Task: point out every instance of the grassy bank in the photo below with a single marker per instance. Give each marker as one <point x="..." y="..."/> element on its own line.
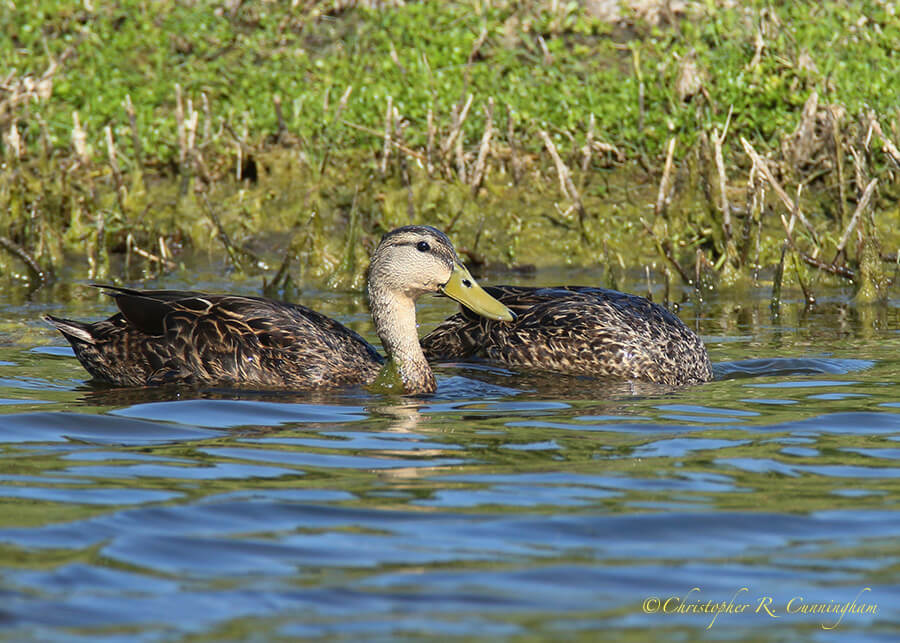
<point x="714" y="142"/>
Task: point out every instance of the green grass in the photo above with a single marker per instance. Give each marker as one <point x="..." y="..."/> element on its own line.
<point x="142" y="49"/>
<point x="544" y="69"/>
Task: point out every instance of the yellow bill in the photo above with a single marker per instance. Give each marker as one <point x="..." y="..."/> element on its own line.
<point x="466" y="291"/>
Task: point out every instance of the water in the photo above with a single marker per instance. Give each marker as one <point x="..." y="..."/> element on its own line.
<point x="506" y="506"/>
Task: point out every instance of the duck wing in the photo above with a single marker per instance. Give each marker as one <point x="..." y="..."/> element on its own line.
<point x="464" y="334"/>
<point x="577" y="330"/>
<point x="182" y="336"/>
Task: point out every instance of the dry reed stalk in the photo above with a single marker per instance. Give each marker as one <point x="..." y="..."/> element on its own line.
<point x="230" y="248"/>
<point x="760" y="200"/>
<point x="192" y="151"/>
<point x="775" y="303"/>
<point x="858" y="167"/>
<point x="476" y="46"/>
<point x="545" y="52"/>
<point x="789" y="225"/>
<point x="161" y="261"/>
<point x="114" y="165"/>
<point x="395" y="58"/>
<point x="458" y="122"/>
<point x="608" y="148"/>
<point x="460" y="161"/>
<point x="79" y="139"/>
<point x="207" y="118"/>
<point x="724" y="205"/>
<point x="860" y="208"/>
<point x="699" y="260"/>
<point x="785" y="199"/>
<point x="164" y="251"/>
<point x="812" y="260"/>
<point x="200" y="167"/>
<point x="587" y="150"/>
<point x="566" y="185"/>
<point x="33" y="266"/>
<point x="562" y="172"/>
<point x="875" y="126"/>
<point x="661" y="197"/>
<point x="834" y="115"/>
<point x="664" y="247"/>
<point x="754" y="214"/>
<point x="190" y="128"/>
<point x="808" y="296"/>
<point x="241" y="148"/>
<point x="484" y="148"/>
<point x="342" y="103"/>
<point x="400" y="146"/>
<point x="649" y="283"/>
<point x="282" y="276"/>
<point x="800" y="146"/>
<point x="759" y="45"/>
<point x="98" y="258"/>
<point x="279" y="118"/>
<point x="129" y="243"/>
<point x="13" y="139"/>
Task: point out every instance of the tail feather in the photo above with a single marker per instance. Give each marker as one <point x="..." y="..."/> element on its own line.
<point x="71" y="329"/>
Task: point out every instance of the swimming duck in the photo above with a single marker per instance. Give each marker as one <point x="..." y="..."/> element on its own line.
<point x="577" y="330"/>
<point x="162" y="336"/>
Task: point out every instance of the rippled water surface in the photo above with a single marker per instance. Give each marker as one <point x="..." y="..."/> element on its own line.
<point x="507" y="505"/>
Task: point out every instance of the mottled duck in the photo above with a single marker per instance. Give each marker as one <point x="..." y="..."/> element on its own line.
<point x="168" y="336"/>
<point x="580" y="331"/>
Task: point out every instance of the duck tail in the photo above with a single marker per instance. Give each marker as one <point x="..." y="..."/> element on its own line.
<point x="74" y="331"/>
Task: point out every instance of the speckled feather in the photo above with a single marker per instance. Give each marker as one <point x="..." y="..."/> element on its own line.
<point x="167" y="336"/>
<point x="577" y="330"/>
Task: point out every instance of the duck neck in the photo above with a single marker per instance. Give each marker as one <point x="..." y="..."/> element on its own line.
<point x="395" y="323"/>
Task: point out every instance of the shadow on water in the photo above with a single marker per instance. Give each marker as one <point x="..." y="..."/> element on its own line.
<point x="507" y="505"/>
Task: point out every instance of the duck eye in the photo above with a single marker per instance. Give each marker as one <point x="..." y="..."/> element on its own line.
<point x="423" y="246"/>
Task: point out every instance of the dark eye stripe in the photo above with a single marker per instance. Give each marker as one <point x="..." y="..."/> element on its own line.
<point x="435" y="249"/>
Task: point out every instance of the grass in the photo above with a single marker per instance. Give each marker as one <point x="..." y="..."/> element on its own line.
<point x="534" y="132"/>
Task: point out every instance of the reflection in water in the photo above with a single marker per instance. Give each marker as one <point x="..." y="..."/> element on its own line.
<point x="788" y="366"/>
<point x="506" y="505"/>
<point x="556" y="385"/>
<point x="404" y="416"/>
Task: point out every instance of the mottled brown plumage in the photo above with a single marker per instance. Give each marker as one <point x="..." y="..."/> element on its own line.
<point x="164" y="336"/>
<point x="577" y="330"/>
<point x="167" y="336"/>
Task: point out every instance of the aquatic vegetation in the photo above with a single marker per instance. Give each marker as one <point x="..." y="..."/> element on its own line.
<point x="702" y="144"/>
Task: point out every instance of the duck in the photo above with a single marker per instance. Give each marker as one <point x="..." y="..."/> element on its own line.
<point x="194" y="338"/>
<point x="576" y="330"/>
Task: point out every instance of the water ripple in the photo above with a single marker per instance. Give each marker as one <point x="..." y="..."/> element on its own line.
<point x="509" y="505"/>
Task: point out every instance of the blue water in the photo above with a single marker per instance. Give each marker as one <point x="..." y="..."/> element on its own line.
<point x="507" y="506"/>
